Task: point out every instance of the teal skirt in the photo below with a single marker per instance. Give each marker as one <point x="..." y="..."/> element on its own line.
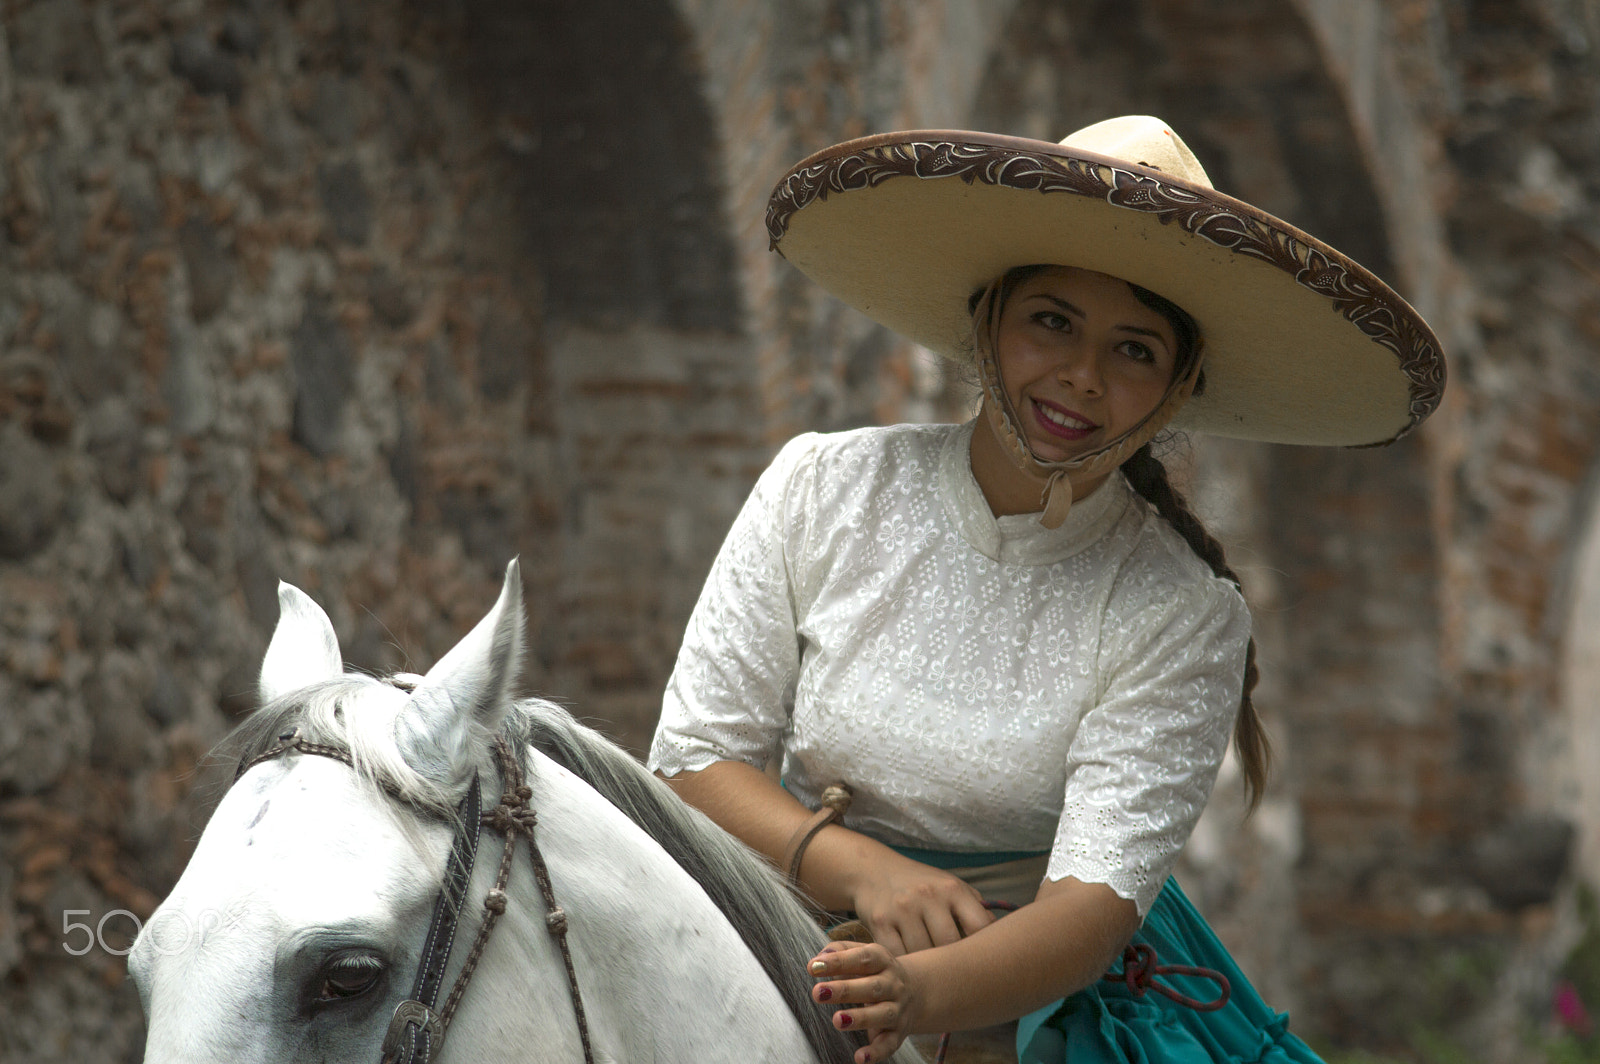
<point x="1107" y="1023"/>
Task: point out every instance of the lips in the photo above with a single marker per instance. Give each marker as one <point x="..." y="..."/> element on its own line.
<point x="1060" y="422"/>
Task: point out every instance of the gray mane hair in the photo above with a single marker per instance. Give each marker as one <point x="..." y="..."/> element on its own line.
<point x="318" y="714"/>
<point x="749" y="892"/>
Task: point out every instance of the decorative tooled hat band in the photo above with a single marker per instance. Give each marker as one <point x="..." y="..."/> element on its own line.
<point x="1303" y="345"/>
<point x="1056" y="494"/>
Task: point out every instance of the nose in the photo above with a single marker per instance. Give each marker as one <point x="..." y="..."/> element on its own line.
<point x="1081" y="369"/>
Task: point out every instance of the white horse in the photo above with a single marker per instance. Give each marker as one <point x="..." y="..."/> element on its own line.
<point x="297" y="927"/>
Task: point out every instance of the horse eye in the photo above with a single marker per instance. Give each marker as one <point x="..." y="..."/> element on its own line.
<point x="350" y="976"/>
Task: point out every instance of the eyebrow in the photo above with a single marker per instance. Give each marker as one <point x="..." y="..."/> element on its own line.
<point x="1074" y="310"/>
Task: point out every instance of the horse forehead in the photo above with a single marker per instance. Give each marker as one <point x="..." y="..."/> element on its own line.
<point x="311" y="797"/>
<point x="304" y="833"/>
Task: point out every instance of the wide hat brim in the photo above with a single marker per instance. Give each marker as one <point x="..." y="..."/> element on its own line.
<point x="1302" y="344"/>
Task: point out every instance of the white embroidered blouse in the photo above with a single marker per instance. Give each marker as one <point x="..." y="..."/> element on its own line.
<point x="981" y="684"/>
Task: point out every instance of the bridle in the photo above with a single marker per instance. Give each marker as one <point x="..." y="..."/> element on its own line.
<point x="416" y="1031"/>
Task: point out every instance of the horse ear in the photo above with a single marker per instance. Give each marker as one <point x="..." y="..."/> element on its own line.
<point x="471" y="685"/>
<point x="304" y="649"/>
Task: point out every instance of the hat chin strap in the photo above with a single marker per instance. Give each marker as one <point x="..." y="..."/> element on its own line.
<point x="1056" y="496"/>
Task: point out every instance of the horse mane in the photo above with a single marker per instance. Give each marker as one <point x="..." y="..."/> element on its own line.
<point x="748" y="891"/>
<point x="358" y="713"/>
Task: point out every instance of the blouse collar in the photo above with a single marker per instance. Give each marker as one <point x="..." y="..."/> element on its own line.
<point x="1019" y="539"/>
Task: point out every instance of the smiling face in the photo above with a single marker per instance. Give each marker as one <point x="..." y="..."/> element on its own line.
<point x="1082" y="360"/>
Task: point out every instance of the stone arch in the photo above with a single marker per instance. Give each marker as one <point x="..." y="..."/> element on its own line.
<point x="613" y="160"/>
<point x="1355" y="38"/>
<point x="790" y="77"/>
<point x="609" y="176"/>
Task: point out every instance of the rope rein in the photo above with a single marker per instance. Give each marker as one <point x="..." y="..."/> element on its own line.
<point x="512" y="817"/>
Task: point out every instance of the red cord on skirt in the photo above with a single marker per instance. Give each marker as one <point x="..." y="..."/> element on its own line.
<point x="1140" y="966"/>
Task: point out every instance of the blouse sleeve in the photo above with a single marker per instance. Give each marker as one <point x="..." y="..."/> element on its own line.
<point x="732" y="689"/>
<point x="1143" y="760"/>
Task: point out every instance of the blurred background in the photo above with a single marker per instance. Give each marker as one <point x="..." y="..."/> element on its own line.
<point x="371" y="295"/>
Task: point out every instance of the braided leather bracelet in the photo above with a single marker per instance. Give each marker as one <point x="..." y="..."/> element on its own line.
<point x="835" y="800"/>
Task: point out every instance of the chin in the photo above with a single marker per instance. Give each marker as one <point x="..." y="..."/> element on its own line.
<point x="1055" y="451"/>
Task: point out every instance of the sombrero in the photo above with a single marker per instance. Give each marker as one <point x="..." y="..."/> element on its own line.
<point x="1302" y="344"/>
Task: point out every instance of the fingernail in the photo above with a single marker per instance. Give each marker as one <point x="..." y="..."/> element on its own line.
<point x="818" y="967"/>
<point x="845" y="1020"/>
<point x="825" y="994"/>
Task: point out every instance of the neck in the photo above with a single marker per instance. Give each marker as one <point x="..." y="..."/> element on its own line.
<point x="1007" y="487"/>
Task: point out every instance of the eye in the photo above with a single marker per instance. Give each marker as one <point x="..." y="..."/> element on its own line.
<point x="348" y="976"/>
<point x="1053" y="320"/>
<point x="1137" y="351"/>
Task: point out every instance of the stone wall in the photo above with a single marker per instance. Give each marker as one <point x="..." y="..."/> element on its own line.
<point x="364" y="296"/>
<point x="371" y="295"/>
<point x="275" y="306"/>
<point x="1480" y="122"/>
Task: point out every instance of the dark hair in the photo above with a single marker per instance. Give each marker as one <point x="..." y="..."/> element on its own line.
<point x="1185" y="328"/>
<point x="1148" y="476"/>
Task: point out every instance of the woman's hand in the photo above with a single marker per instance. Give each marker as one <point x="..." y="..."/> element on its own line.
<point x="881" y="997"/>
<point x="1058" y="944"/>
<point x="910" y="906"/>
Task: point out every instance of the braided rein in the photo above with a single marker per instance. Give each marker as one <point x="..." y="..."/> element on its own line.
<point x="513" y="816"/>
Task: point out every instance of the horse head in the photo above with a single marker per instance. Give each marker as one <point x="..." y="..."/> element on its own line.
<point x="293" y="932"/>
<point x="299" y="927"/>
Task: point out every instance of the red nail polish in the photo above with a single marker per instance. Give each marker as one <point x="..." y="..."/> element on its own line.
<point x="845" y="1019"/>
<point x="825" y="994"/>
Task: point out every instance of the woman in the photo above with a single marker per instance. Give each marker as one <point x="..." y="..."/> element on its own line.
<point x="1011" y="639"/>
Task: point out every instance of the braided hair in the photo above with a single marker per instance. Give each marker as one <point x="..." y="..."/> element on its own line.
<point x="1148" y="477"/>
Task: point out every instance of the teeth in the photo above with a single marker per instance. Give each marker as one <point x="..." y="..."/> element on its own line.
<point x="1062" y="419"/>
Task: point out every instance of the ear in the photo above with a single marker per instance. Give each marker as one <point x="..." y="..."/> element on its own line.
<point x="470" y="686"/>
<point x="304" y="649"/>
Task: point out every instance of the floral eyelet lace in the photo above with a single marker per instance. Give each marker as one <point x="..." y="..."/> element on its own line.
<point x="982" y="684"/>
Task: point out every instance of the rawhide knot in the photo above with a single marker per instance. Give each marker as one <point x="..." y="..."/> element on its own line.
<point x="556" y="921"/>
<point x="495" y="901"/>
<point x="511" y="815"/>
<point x="835" y="803"/>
